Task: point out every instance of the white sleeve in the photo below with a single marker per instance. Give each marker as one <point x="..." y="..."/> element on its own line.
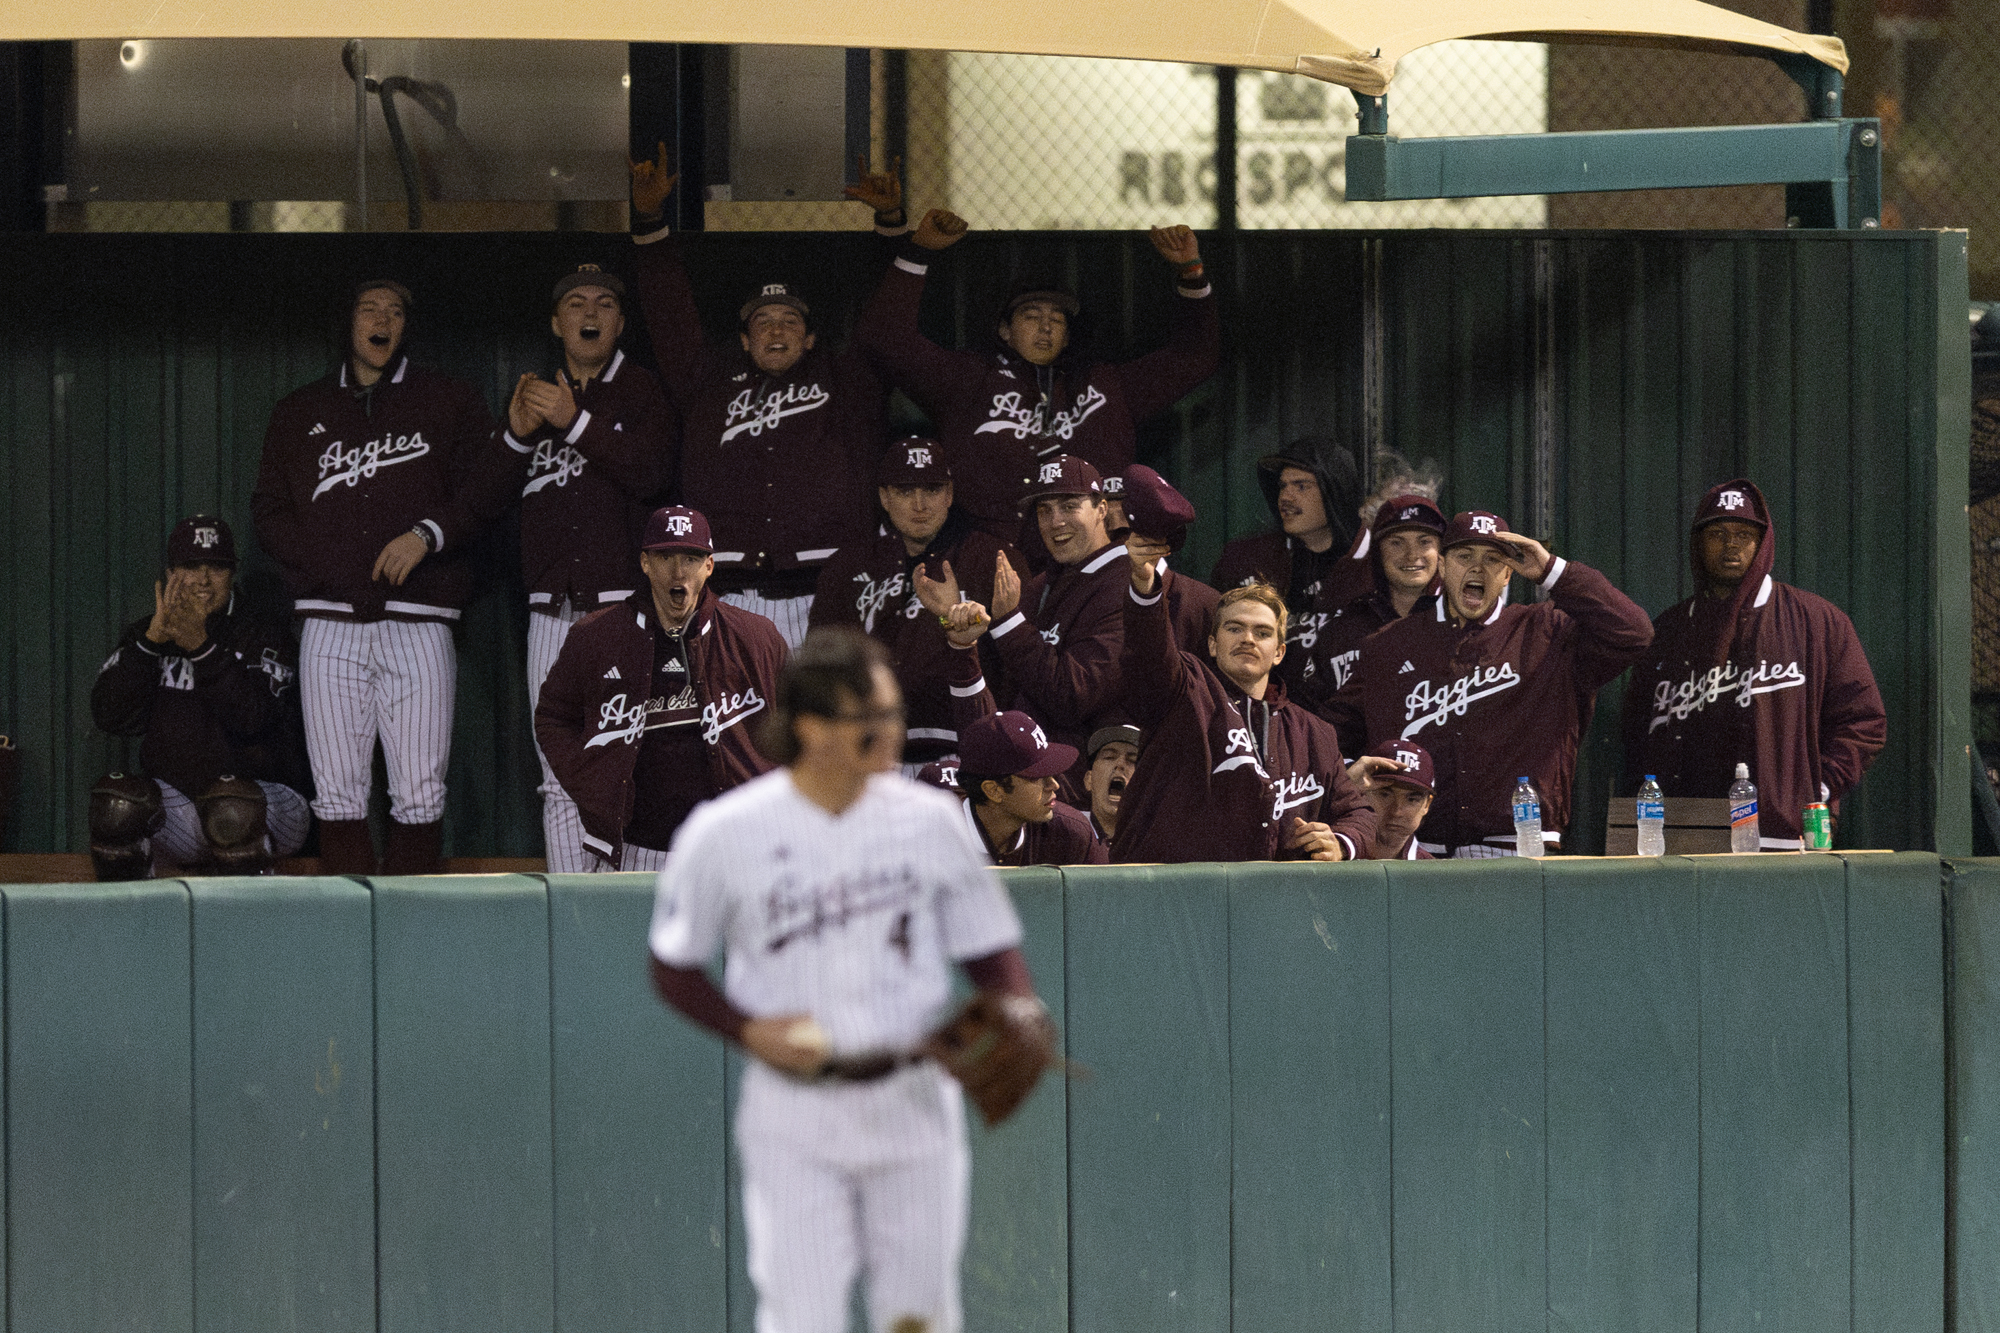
<point x="690" y="901"/>
<point x="975" y="915"/>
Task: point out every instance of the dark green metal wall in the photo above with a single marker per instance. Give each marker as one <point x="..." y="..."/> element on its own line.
<point x="1590" y="385"/>
<point x="1700" y="1094"/>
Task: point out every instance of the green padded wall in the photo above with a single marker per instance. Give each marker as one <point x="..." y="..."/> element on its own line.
<point x="1690" y="1094"/>
<point x="284" y="1105"/>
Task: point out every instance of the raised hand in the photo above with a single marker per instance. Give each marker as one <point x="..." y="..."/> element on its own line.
<point x="1363" y="770"/>
<point x="1176" y="244"/>
<point x="651" y="184"/>
<point x="1145" y="554"/>
<point x="880" y="190"/>
<point x="940" y="228"/>
<point x="1006" y="588"/>
<point x="936" y="596"/>
<point x="522" y="418"/>
<point x="1528" y="557"/>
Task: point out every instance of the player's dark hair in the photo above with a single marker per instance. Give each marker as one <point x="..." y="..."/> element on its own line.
<point x="833" y="661"/>
<point x="973" y="785"/>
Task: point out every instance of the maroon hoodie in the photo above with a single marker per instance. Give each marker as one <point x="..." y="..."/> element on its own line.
<point x="779" y="464"/>
<point x="1222" y="774"/>
<point x="1772" y="676"/>
<point x="592" y="715"/>
<point x="999" y="415"/>
<point x="1506" y="695"/>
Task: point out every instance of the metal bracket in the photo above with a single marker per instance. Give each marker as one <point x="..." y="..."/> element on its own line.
<point x="1831" y="166"/>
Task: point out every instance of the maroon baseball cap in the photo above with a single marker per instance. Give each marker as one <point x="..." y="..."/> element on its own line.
<point x="1154" y="508"/>
<point x="774" y="293"/>
<point x="914" y="460"/>
<point x="587" y="275"/>
<point x="1736" y="499"/>
<point x="201" y="539"/>
<point x="1065" y="474"/>
<point x="941" y="773"/>
<point x="1417" y="770"/>
<point x="677" y="528"/>
<point x="1408" y="511"/>
<point x="1474" y="525"/>
<point x="1114" y="487"/>
<point x="1010" y="744"/>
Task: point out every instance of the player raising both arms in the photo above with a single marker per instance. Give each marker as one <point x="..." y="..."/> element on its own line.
<point x="840" y="893"/>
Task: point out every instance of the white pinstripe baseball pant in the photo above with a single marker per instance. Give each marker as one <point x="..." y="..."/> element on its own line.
<point x="395" y="679"/>
<point x="562" y="827"/>
<point x="789" y="614"/>
<point x="840" y="1180"/>
<point x="180" y="839"/>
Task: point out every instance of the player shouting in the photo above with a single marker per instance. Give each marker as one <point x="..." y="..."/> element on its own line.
<point x="841" y="893"/>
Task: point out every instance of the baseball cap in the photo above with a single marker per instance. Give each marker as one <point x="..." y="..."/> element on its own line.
<point x="1737" y="500"/>
<point x="774" y="293"/>
<point x="1418" y="771"/>
<point x="1065" y="474"/>
<point x="1473" y="525"/>
<point x="941" y="773"/>
<point x="677" y="528"/>
<point x="1103" y="736"/>
<point x="1154" y="508"/>
<point x="1114" y="487"/>
<point x="1408" y="511"/>
<point x="1055" y="296"/>
<point x="913" y="461"/>
<point x="1010" y="744"/>
<point x="587" y="275"/>
<point x="201" y="539"/>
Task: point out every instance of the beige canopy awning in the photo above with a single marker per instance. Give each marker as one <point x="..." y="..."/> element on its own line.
<point x="1352" y="42"/>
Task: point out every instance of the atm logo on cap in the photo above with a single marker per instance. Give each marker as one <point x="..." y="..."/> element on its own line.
<point x="207" y="537"/>
<point x="1041" y="740"/>
<point x="919" y="457"/>
<point x="1408" y="758"/>
<point x="1483" y="523"/>
<point x="775" y="289"/>
<point x="1732" y="500"/>
<point x="1410" y="512"/>
<point x="680" y="525"/>
<point x="1051" y="472"/>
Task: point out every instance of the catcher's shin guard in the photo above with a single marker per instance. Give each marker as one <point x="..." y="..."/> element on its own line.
<point x="125" y="813"/>
<point x="232" y="821"/>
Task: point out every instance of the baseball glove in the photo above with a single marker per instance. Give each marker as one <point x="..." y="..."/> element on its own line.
<point x="997" y="1046"/>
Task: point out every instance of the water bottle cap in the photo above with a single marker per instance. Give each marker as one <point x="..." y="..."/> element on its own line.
<point x="1522" y="778"/>
<point x="1651" y="778"/>
<point x="1743" y="771"/>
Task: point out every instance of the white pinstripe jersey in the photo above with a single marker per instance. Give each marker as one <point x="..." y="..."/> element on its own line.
<point x="852" y="918"/>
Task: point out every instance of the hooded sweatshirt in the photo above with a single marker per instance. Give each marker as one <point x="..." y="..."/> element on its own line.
<point x="1771" y="675"/>
<point x="1222" y="774"/>
<point x="1494" y="698"/>
<point x="999" y="415"/>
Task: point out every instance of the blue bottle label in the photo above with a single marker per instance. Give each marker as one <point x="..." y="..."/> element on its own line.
<point x="1653" y="810"/>
<point x="1526" y="810"/>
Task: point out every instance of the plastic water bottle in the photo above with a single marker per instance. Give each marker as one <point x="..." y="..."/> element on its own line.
<point x="1527" y="818"/>
<point x="1652" y="818"/>
<point x="1743" y="836"/>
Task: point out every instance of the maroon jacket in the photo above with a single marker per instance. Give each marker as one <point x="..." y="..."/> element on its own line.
<point x="232" y="706"/>
<point x="869" y="586"/>
<point x="592" y="714"/>
<point x="1190" y="609"/>
<point x="779" y="465"/>
<point x="586" y="490"/>
<point x="1060" y="649"/>
<point x="344" y="473"/>
<point x="1314" y="586"/>
<point x="990" y="409"/>
<point x="1069" y="839"/>
<point x="1772" y="676"/>
<point x="1509" y="695"/>
<point x="1221" y="774"/>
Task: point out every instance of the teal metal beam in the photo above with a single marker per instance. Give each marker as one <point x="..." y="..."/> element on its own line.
<point x="1842" y="156"/>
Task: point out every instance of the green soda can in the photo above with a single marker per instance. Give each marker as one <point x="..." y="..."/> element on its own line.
<point x="1818" y="828"/>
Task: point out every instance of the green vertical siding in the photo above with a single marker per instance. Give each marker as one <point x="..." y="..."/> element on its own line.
<point x="1827" y="368"/>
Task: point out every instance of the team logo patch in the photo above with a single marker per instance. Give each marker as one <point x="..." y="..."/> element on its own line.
<point x="1732" y="500"/>
<point x="1407" y="758"/>
<point x="207" y="537"/>
<point x="680" y="525"/>
<point x="1483" y="523"/>
<point x="1041" y="741"/>
<point x="176" y="673"/>
<point x="1051" y="472"/>
<point x="919" y="456"/>
<point x="1432" y="705"/>
<point x="1409" y="512"/>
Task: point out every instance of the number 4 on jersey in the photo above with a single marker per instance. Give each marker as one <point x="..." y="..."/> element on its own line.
<point x="899" y="936"/>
